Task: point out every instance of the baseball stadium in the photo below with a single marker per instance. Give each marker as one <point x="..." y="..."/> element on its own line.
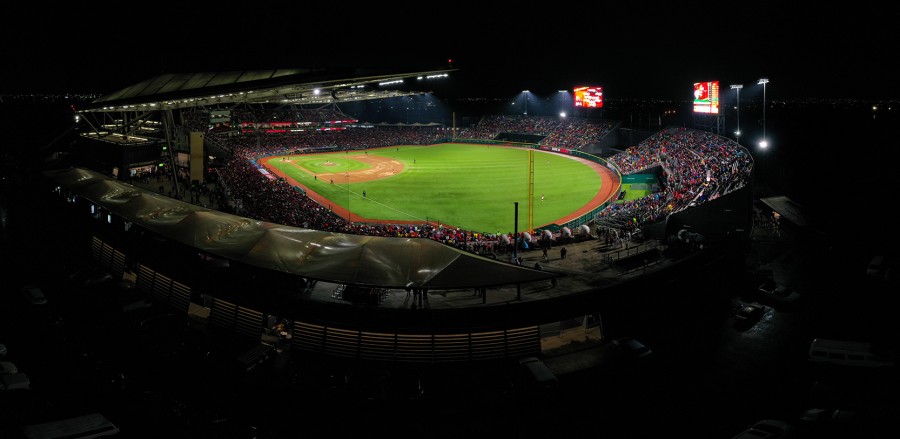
<point x="267" y="207"/>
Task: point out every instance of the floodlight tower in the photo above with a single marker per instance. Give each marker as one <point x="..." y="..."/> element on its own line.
<point x="737" y="133"/>
<point x="562" y="103"/>
<point x="526" y="101"/>
<point x="763" y="143"/>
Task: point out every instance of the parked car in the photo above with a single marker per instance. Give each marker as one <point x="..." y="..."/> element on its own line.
<point x="749" y="313"/>
<point x="829" y="423"/>
<point x="766" y="429"/>
<point x="632" y="348"/>
<point x="34" y="295"/>
<point x="92" y="425"/>
<point x="15" y="381"/>
<point x="90" y="276"/>
<point x="8" y="368"/>
<point x="536" y="378"/>
<point x="876" y="267"/>
<point x="772" y="292"/>
<point x="829" y="416"/>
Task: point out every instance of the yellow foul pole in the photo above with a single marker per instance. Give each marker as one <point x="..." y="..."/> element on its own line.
<point x="453" y="128"/>
<point x="531" y="191"/>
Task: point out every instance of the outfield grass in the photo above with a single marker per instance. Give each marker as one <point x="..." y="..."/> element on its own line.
<point x="473" y="187"/>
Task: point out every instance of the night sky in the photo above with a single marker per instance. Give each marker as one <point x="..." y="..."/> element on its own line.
<point x="822" y="51"/>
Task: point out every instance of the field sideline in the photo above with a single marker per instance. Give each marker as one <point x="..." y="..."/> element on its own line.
<point x="472" y="187"/>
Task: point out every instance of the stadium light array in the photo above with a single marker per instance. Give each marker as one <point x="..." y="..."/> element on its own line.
<point x="763" y="143"/>
<point x="737" y="133"/>
<point x="396" y="81"/>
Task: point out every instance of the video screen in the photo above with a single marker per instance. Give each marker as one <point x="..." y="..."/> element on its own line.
<point x="706" y="97"/>
<point x="589" y="97"/>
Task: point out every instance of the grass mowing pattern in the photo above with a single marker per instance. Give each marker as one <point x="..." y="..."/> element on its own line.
<point x="472" y="187"/>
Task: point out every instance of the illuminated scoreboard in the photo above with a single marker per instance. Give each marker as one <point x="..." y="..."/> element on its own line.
<point x="706" y="97"/>
<point x="589" y="97"/>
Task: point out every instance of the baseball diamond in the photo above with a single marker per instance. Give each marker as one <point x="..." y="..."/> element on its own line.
<point x="464" y="185"/>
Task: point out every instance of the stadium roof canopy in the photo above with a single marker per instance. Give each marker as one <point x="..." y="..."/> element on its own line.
<point x="332" y="257"/>
<point x="283" y="86"/>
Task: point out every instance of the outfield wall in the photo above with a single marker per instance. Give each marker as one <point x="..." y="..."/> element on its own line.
<point x="583" y="219"/>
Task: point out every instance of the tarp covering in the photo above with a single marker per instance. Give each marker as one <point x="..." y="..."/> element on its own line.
<point x="333" y="257"/>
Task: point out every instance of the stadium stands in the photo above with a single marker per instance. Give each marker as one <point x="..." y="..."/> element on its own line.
<point x="696" y="166"/>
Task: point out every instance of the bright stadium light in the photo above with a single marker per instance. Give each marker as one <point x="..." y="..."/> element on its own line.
<point x="563" y="98"/>
<point x="316" y="91"/>
<point x="526" y="101"/>
<point x="737" y="133"/>
<point x="763" y="143"/>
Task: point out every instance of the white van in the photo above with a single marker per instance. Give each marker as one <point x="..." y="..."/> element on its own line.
<point x="537" y="377"/>
<point x="92" y="425"/>
<point x="847" y="353"/>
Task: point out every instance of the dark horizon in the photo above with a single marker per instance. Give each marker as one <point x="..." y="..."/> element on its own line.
<point x="651" y="53"/>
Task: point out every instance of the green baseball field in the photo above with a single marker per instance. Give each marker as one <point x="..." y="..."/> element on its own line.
<point x="473" y="187"/>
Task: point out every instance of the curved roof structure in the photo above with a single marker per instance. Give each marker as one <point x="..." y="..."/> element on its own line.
<point x="190" y="83"/>
<point x="282" y="86"/>
<point x="333" y="257"/>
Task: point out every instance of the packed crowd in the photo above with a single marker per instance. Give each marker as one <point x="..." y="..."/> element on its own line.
<point x="352" y="138"/>
<point x="696" y="165"/>
<point x="275" y="200"/>
<point x="249" y="118"/>
<point x="570" y="133"/>
<point x="293" y="118"/>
